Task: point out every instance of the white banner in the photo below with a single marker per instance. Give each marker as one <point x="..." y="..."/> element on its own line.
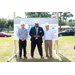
<point x="29" y="22"/>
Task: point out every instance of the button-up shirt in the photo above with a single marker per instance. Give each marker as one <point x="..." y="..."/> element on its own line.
<point x="22" y="33"/>
<point x="36" y="28"/>
<point x="48" y="35"/>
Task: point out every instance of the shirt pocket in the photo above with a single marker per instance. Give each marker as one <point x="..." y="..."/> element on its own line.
<point x="40" y="32"/>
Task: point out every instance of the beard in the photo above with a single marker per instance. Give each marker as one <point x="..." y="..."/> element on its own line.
<point x="36" y="25"/>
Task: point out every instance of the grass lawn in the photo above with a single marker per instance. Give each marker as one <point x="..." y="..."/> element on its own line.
<point x="10" y="32"/>
<point x="66" y="48"/>
<point x="6" y="48"/>
<point x="66" y="51"/>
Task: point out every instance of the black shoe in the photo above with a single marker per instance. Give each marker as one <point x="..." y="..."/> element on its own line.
<point x="20" y="58"/>
<point x="32" y="57"/>
<point x="42" y="57"/>
<point x="25" y="57"/>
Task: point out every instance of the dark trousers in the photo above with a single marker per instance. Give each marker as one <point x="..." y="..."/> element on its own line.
<point x="22" y="44"/>
<point x="33" y="45"/>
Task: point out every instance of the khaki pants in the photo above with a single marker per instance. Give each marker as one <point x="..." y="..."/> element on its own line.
<point x="48" y="44"/>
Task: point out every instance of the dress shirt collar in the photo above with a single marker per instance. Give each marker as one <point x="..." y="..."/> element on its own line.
<point x="47" y="30"/>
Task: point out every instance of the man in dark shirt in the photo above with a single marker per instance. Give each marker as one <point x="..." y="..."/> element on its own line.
<point x="36" y="34"/>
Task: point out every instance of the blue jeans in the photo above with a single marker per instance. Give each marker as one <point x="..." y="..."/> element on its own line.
<point x="22" y="44"/>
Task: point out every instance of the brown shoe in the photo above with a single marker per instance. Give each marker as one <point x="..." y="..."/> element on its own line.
<point x="50" y="56"/>
<point x="46" y="55"/>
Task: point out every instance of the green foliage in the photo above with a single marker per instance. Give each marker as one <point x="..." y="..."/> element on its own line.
<point x="2" y="23"/>
<point x="67" y="15"/>
<point x="64" y="16"/>
<point x="9" y="23"/>
<point x="62" y="22"/>
<point x="37" y="14"/>
<point x="6" y="24"/>
<point x="71" y="22"/>
<point x="67" y="23"/>
<point x="18" y="17"/>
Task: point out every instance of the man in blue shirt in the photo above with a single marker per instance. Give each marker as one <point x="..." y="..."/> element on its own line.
<point x="22" y="34"/>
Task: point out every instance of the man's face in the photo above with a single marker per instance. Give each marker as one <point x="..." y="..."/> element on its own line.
<point x="47" y="27"/>
<point x="23" y="25"/>
<point x="36" y="24"/>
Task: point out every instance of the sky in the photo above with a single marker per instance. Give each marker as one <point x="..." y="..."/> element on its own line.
<point x="10" y="15"/>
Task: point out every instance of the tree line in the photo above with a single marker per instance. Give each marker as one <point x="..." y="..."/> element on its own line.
<point x="4" y="23"/>
<point x="63" y="16"/>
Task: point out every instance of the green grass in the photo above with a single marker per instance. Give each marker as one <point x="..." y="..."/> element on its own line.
<point x="6" y="48"/>
<point x="66" y="48"/>
<point x="65" y="44"/>
<point x="10" y="32"/>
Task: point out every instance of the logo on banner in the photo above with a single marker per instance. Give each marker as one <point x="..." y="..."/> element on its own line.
<point x="53" y="28"/>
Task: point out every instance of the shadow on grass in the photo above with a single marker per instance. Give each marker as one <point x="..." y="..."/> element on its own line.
<point x="37" y="60"/>
<point x="64" y="59"/>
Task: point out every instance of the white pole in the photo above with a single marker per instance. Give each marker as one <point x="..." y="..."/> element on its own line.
<point x="14" y="50"/>
<point x="56" y="51"/>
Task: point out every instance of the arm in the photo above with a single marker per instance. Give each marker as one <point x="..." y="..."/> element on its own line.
<point x="30" y="33"/>
<point x="26" y="34"/>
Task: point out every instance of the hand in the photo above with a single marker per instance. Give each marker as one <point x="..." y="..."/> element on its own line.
<point x="38" y="36"/>
<point x="23" y="39"/>
<point x="35" y="36"/>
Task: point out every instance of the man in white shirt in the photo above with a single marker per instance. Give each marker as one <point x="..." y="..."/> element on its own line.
<point x="48" y="36"/>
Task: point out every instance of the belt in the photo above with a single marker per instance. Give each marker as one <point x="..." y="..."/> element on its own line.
<point x="20" y="39"/>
